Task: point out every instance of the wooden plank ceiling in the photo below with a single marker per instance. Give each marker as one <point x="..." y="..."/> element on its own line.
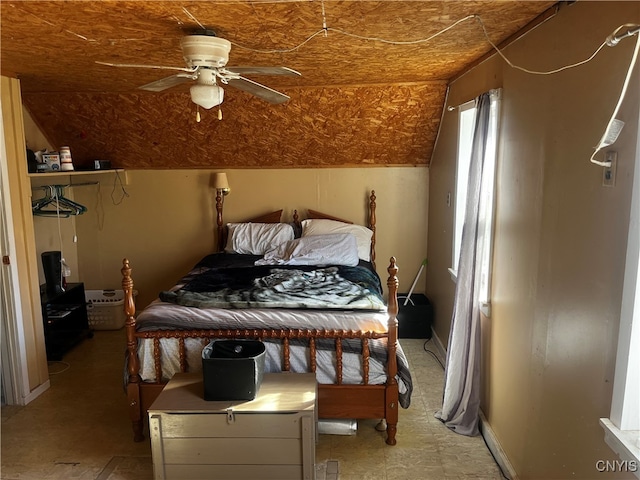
<point x="358" y="102"/>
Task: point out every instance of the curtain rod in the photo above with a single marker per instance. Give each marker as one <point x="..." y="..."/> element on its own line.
<point x="492" y="91"/>
<point x="451" y="108"/>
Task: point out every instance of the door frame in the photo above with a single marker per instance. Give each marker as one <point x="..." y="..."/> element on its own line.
<point x="13" y="366"/>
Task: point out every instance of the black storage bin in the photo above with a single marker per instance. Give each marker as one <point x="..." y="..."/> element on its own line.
<point x="414" y="318"/>
<point x="232" y="369"/>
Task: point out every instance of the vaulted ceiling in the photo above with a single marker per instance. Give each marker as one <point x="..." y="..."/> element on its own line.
<point x="371" y="89"/>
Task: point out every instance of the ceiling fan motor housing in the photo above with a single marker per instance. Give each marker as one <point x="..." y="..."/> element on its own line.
<point x="205" y="51"/>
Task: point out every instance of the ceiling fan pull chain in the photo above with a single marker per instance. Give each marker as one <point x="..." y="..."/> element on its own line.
<point x="198" y="113"/>
<point x="219" y="113"/>
<point x="324" y="20"/>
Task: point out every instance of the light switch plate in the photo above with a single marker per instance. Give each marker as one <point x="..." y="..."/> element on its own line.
<point x="609" y="173"/>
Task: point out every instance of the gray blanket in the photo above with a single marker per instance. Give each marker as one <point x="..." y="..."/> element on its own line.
<point x="336" y="287"/>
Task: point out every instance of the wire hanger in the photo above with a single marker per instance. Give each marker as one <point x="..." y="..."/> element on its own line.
<point x="55" y="204"/>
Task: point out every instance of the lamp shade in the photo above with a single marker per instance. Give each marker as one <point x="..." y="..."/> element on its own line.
<point x="207" y="96"/>
<point x="220" y="181"/>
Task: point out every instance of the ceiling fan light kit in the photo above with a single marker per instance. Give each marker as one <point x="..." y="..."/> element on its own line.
<point x="207" y="96"/>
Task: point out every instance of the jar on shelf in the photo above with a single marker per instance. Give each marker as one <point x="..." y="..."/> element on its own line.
<point x="66" y="163"/>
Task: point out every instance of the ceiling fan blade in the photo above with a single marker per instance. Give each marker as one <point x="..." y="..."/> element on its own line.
<point x="167" y="82"/>
<point x="159" y="67"/>
<point x="264" y="71"/>
<point x="260" y="91"/>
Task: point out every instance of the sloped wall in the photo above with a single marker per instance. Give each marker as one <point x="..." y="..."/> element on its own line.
<point x="318" y="127"/>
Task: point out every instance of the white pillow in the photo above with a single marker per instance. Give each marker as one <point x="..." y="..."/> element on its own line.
<point x="256" y="238"/>
<point x="322" y="227"/>
<point x="331" y="249"/>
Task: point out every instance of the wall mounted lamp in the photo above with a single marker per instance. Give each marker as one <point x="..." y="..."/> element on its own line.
<point x="221" y="183"/>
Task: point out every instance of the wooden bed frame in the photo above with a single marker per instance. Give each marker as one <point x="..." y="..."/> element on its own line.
<point x="335" y="401"/>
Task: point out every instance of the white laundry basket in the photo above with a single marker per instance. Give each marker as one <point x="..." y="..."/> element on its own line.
<point x="105" y="308"/>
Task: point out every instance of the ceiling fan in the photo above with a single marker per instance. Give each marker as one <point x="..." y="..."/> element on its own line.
<point x="206" y="56"/>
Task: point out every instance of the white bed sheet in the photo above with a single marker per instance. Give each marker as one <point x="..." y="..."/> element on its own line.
<point x="164" y="315"/>
<point x="352" y="371"/>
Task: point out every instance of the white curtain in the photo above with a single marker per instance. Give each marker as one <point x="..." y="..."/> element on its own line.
<point x="461" y="399"/>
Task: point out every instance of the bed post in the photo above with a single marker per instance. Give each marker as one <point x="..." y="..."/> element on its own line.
<point x="133" y="363"/>
<point x="372" y="225"/>
<point x="391" y="405"/>
<point x="219" y="204"/>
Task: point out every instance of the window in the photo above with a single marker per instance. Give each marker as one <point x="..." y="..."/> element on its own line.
<point x="466" y="123"/>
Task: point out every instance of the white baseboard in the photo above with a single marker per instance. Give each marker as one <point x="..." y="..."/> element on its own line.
<point x="485" y="429"/>
<point x="36" y="392"/>
<point x="496" y="449"/>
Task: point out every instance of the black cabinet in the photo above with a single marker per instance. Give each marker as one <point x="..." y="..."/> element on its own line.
<point x="65" y="319"/>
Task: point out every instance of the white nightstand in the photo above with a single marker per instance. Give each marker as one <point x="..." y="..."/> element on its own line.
<point x="271" y="437"/>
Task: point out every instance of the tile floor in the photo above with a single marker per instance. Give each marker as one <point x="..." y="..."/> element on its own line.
<point x="79" y="429"/>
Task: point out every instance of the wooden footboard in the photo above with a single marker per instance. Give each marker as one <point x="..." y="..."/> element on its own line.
<point x="334" y="401"/>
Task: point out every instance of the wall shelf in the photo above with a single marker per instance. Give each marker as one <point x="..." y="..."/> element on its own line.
<point x="124" y="180"/>
<point x="75" y="172"/>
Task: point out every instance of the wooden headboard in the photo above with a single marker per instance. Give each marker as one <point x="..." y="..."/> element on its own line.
<point x="319" y="215"/>
<point x="276" y="217"/>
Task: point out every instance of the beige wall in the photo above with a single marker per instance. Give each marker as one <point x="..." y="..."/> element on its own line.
<point x="560" y="238"/>
<point x="167" y="222"/>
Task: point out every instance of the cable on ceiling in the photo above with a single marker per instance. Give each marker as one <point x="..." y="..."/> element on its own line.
<point x="612" y="40"/>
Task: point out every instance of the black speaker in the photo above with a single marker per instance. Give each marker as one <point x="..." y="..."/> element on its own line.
<point x="52" y="266"/>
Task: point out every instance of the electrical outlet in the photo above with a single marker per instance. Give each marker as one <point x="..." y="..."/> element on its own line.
<point x="609" y="173"/>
